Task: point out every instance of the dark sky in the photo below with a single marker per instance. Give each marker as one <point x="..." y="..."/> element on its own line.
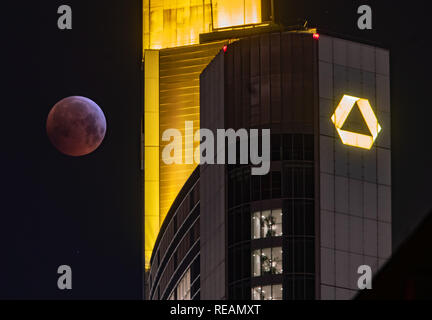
<point x="86" y="212"/>
<point x="83" y="212"/>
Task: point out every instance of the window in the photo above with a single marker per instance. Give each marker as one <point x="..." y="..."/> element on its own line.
<point x="276" y="184"/>
<point x="277" y="215"/>
<point x="298" y="181"/>
<point x="309" y="147"/>
<point x="184" y="287"/>
<point x="256" y="225"/>
<point x="300" y="287"/>
<point x="256" y="191"/>
<point x="239" y="225"/>
<point x="246" y="185"/>
<point x="309" y="182"/>
<point x="297" y="147"/>
<point x="273" y="292"/>
<point x="287" y="147"/>
<point x="275" y="147"/>
<point x="267" y="224"/>
<point x="256" y="263"/>
<point x="239" y="186"/>
<point x="267" y="261"/>
<point x="277" y="292"/>
<point x="299" y="218"/>
<point x="265" y="187"/>
<point x="228" y="13"/>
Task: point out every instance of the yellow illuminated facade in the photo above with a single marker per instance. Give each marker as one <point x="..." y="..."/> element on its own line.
<point x="179" y="95"/>
<point x="151" y="151"/>
<point x="351" y="138"/>
<point x="229" y="13"/>
<point x="173" y="62"/>
<point x="174" y="23"/>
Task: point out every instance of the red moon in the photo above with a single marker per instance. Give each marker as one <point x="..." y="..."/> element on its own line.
<point x="76" y="126"/>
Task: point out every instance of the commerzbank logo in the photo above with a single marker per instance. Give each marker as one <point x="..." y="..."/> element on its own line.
<point x="352" y="138"/>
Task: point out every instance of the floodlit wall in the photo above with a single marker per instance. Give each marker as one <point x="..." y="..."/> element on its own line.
<point x="173" y="61"/>
<point x="228" y="13"/>
<point x="180" y="69"/>
<point x="151" y="151"/>
<point x="355" y="178"/>
<point x="173" y="23"/>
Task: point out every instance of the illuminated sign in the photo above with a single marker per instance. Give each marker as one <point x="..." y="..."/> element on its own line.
<point x="351" y="138"/>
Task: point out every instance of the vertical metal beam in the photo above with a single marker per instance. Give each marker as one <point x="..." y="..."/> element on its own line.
<point x="151" y="151"/>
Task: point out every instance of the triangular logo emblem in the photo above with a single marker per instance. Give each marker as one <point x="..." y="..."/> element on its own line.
<point x="351" y="138"/>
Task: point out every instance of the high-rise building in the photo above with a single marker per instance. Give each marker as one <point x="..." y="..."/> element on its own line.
<point x="180" y="37"/>
<point x="324" y="209"/>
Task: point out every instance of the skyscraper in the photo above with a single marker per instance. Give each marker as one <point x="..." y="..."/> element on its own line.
<point x="302" y="231"/>
<point x="323" y="210"/>
<point x="179" y="39"/>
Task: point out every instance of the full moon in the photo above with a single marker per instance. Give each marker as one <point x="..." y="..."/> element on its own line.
<point x="76" y="126"/>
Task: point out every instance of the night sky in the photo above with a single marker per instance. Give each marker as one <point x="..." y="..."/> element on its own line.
<point x="86" y="212"/>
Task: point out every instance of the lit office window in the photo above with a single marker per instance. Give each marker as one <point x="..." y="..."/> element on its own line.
<point x="256" y="225"/>
<point x="172" y="23"/>
<point x="227" y="13"/>
<point x="184" y="287"/>
<point x="267" y="224"/>
<point x="256" y="263"/>
<point x="273" y="292"/>
<point x="267" y="261"/>
<point x="277" y="292"/>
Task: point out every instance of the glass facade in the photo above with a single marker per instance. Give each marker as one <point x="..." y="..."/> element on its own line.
<point x="184" y="287"/>
<point x="267" y="224"/>
<point x="179" y="98"/>
<point x="267" y="261"/>
<point x="299" y="245"/>
<point x="229" y="13"/>
<point x="174" y="23"/>
<point x="342" y="194"/>
<point x="172" y="96"/>
<point x="173" y="60"/>
<point x="175" y="264"/>
<point x="269" y="82"/>
<point x="278" y="239"/>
